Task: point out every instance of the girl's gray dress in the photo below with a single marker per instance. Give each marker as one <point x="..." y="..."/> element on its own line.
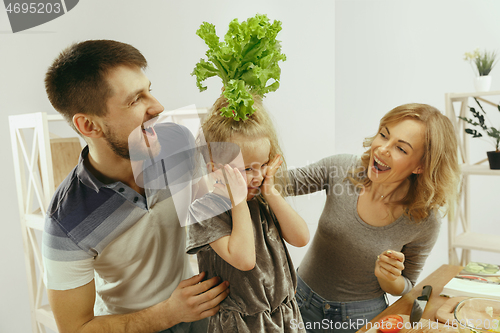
<point x="262" y="299"/>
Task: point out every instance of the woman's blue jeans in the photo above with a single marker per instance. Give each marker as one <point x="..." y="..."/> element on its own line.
<point x="322" y="316"/>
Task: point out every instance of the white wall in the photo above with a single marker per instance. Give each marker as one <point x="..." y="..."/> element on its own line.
<point x="164" y="31"/>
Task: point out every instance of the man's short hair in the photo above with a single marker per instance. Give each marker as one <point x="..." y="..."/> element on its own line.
<point x="76" y="81"/>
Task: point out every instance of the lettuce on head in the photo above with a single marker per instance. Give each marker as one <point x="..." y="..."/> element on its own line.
<point x="246" y="61"/>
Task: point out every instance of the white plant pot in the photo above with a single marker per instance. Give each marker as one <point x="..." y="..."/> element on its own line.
<point x="482" y="83"/>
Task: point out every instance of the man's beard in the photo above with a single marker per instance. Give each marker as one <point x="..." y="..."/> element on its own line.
<point x="124" y="148"/>
<point x="120" y="148"/>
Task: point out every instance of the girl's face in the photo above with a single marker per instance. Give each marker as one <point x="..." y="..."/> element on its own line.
<point x="255" y="157"/>
<point x="396" y="152"/>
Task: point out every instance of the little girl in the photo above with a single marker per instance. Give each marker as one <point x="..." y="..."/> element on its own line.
<point x="237" y="230"/>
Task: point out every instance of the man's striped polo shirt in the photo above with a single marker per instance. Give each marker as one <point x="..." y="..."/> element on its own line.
<point x="132" y="246"/>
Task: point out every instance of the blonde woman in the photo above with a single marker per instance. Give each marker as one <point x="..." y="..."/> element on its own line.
<point x="380" y="219"/>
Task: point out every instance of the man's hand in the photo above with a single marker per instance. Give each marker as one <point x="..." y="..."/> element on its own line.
<point x="193" y="300"/>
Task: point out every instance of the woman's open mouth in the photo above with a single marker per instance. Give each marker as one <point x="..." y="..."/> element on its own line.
<point x="379" y="166"/>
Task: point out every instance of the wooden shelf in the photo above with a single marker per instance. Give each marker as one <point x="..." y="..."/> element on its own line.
<point x="468" y="240"/>
<point x="473" y="94"/>
<point x="35" y="221"/>
<point x="183" y="112"/>
<point x="479" y="170"/>
<point x="477" y="241"/>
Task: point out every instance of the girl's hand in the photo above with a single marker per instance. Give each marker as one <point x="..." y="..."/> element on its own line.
<point x="231" y="184"/>
<point x="268" y="183"/>
<point x="389" y="265"/>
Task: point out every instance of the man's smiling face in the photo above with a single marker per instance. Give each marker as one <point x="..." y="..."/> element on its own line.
<point x="131" y="109"/>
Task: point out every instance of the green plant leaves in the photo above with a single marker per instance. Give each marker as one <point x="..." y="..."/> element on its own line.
<point x="474" y="133"/>
<point x="485" y="62"/>
<point x="490" y="131"/>
<point x="247" y="62"/>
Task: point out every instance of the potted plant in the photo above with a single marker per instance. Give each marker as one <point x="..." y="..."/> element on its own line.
<point x="482" y="63"/>
<point x="492" y="132"/>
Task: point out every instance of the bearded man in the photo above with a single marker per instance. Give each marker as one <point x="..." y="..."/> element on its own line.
<point x="113" y="247"/>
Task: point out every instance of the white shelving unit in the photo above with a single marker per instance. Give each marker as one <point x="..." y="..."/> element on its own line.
<point x="463" y="240"/>
<point x="35" y="181"/>
<point x="41" y="161"/>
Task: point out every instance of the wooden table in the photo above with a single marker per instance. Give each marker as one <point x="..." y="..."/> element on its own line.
<point x="437" y="280"/>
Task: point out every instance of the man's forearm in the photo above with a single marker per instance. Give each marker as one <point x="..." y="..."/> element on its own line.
<point x="150" y="320"/>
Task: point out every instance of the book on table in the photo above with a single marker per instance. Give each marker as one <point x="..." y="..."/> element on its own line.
<point x="475" y="280"/>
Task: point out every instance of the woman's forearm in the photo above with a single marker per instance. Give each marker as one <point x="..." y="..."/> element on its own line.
<point x="395" y="287"/>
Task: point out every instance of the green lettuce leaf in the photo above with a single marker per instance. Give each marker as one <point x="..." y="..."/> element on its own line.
<point x="247" y="62"/>
<point x="239" y="99"/>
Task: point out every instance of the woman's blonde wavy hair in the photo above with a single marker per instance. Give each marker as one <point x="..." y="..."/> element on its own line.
<point x="438" y="185"/>
<point x="218" y="128"/>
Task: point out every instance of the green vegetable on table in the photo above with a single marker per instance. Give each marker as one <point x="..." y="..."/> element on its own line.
<point x="246" y="61"/>
<point x="477" y="267"/>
